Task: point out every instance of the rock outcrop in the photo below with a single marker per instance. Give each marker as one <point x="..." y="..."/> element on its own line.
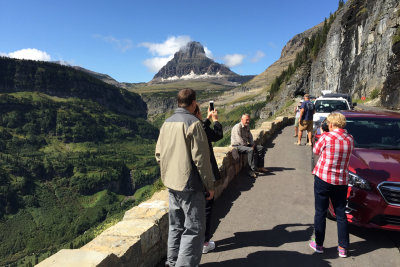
<point x="360" y="56"/>
<point x="358" y="50"/>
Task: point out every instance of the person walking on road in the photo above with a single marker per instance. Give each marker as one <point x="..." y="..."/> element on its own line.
<point x="184" y="157"/>
<point x="213" y="135"/>
<point x="242" y="139"/>
<point x="331" y="181"/>
<point x="307" y="111"/>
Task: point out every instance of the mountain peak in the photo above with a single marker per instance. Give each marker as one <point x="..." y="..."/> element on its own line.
<point x="191" y="62"/>
<point x="192" y="50"/>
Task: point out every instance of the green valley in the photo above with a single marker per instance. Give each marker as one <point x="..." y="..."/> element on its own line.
<point x="71" y="160"/>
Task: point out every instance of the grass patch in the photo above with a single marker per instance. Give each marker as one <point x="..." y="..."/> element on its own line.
<point x="178" y="85"/>
<point x="284" y="110"/>
<point x="91" y="201"/>
<point x="374" y="93"/>
<point x="243" y="99"/>
<point x="159" y="119"/>
<point x="147" y="191"/>
<point x="225" y="141"/>
<point x="396" y="36"/>
<point x="362" y="11"/>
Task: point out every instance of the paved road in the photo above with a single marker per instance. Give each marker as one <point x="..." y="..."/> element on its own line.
<point x="268" y="221"/>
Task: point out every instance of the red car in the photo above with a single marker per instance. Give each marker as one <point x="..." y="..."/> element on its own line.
<point x="373" y="197"/>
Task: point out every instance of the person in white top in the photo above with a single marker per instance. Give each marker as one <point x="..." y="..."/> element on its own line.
<point x="297" y="116"/>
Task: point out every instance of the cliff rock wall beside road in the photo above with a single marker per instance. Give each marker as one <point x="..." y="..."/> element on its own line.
<point x="358" y="50"/>
<point x="361" y="55"/>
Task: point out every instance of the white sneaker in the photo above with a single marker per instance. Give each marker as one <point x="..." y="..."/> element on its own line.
<point x="210" y="246"/>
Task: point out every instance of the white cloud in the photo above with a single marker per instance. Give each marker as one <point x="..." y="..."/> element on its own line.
<point x="29" y="53"/>
<point x="156" y="63"/>
<point x="164" y="51"/>
<point x="121" y="45"/>
<point x="209" y="54"/>
<point x="65" y="63"/>
<point x="233" y="60"/>
<point x="259" y="55"/>
<point x="169" y="47"/>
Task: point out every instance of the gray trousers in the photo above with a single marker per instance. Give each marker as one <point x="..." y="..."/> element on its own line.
<point x="255" y="156"/>
<point x="186" y="228"/>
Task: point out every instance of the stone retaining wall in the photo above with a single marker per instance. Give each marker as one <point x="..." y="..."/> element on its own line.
<point x="140" y="239"/>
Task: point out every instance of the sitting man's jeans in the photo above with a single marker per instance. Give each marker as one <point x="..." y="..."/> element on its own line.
<point x="324" y="191"/>
<point x="255" y="156"/>
<point x="186" y="228"/>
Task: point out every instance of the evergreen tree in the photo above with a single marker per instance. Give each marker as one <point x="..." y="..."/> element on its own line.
<point x="341" y="3"/>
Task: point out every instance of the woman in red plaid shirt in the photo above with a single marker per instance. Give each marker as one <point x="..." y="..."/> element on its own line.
<point x="331" y="181"/>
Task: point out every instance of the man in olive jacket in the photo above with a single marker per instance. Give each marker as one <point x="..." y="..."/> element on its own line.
<point x="183" y="153"/>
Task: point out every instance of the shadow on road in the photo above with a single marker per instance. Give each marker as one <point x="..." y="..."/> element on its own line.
<point x="278" y="169"/>
<point x="373" y="239"/>
<point x="274" y="237"/>
<point x="273" y="258"/>
<point x="240" y="184"/>
<point x="224" y="203"/>
<point x="270" y="142"/>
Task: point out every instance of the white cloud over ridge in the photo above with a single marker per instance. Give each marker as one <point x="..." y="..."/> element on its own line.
<point x="121" y="45"/>
<point x="29" y="53"/>
<point x="233" y="60"/>
<point x="259" y="55"/>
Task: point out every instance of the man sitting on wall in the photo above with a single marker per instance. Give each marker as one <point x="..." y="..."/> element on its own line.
<point x="242" y="139"/>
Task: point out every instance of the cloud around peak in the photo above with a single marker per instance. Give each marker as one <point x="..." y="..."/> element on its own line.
<point x="168" y="47"/>
<point x="156" y="63"/>
<point x="164" y="52"/>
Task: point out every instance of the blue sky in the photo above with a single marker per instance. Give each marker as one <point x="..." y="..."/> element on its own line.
<point x="131" y="40"/>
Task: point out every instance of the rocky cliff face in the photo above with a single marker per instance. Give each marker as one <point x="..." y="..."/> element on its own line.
<point x="358" y="55"/>
<point x="390" y="95"/>
<point x="191" y="62"/>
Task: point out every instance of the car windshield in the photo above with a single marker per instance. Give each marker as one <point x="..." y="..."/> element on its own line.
<point x="375" y="133"/>
<point x="327" y="106"/>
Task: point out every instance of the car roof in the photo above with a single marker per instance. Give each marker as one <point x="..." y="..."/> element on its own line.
<point x="336" y="94"/>
<point x="332" y="98"/>
<point x="370" y="114"/>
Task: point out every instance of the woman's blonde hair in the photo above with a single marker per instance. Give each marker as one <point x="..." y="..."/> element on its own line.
<point x="337" y="119"/>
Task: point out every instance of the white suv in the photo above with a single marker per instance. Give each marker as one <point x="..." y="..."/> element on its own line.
<point x="326" y="105"/>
